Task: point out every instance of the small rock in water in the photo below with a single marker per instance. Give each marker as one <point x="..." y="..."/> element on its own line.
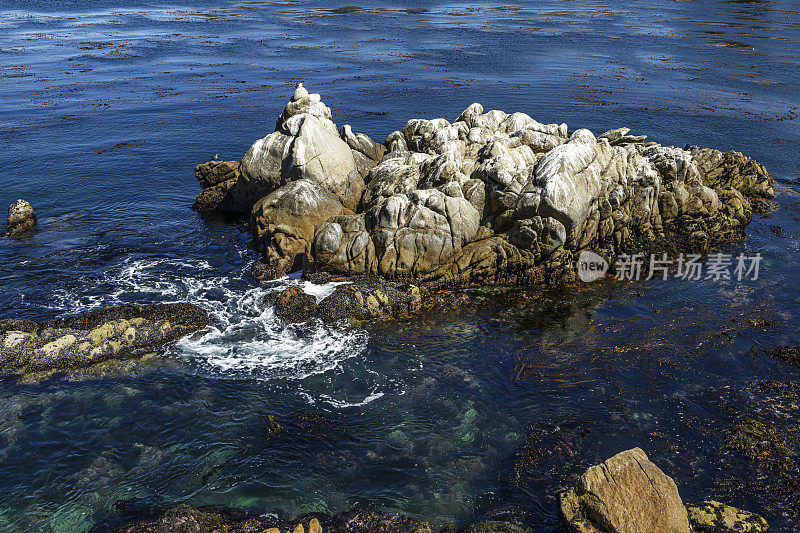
<point x="22" y="220"/>
<point x="716" y="517"/>
<point x="294" y="305"/>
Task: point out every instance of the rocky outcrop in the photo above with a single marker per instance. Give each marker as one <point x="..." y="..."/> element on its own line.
<point x="217" y="179"/>
<point x="491" y="197"/>
<point x="305" y="145"/>
<point x="21" y="220"/>
<point x="111" y="332"/>
<point x="629" y="494"/>
<point x="511" y="192"/>
<point x="716" y="517"/>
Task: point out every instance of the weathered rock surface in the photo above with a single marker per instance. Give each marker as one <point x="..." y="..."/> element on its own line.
<point x="21" y="220"/>
<point x="283" y="224"/>
<point x="79" y="341"/>
<point x="625" y="494"/>
<point x="491" y="197"/>
<point x="305" y="145"/>
<point x="716" y="517"/>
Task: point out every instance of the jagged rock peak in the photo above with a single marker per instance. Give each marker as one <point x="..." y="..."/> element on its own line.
<point x="303" y="102"/>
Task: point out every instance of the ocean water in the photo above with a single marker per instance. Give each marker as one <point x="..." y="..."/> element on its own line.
<point x="105" y="108"/>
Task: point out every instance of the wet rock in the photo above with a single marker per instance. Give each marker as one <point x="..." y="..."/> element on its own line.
<point x="626" y="493"/>
<point x="21" y="220"/>
<point x="84" y="340"/>
<point x="180" y="519"/>
<point x="371" y="522"/>
<point x="761" y="441"/>
<point x="716" y="517"/>
<point x="370" y="298"/>
<point x="140" y="516"/>
<point x="294" y="305"/>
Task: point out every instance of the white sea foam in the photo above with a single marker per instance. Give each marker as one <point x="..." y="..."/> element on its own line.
<point x="245" y="338"/>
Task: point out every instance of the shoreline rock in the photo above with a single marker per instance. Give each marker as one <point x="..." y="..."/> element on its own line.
<point x="490" y="198"/>
<point x="22" y="220"/>
<point x="84" y="340"/>
<point x="626" y="493"/>
<point x="629" y="494"/>
<point x="715" y="517"/>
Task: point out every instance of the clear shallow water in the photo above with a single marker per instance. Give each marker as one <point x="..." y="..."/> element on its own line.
<point x="106" y="107"/>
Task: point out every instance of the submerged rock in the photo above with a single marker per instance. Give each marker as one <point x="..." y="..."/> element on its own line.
<point x="140" y="517"/>
<point x="498" y="526"/>
<point x="626" y="494"/>
<point x="761" y="441"/>
<point x="21" y="220"/>
<point x="491" y="197"/>
<point x="83" y="340"/>
<point x="787" y="354"/>
<point x="715" y="517"/>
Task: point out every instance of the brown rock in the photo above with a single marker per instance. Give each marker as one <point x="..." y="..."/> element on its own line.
<point x="216" y="172"/>
<point x="625" y="494"/>
<point x="22" y="220"/>
<point x="283" y="224"/>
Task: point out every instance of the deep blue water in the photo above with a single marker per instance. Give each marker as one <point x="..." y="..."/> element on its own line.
<point x="105" y="108"/>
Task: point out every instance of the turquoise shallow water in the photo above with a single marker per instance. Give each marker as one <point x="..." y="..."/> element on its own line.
<point x="106" y="107"/>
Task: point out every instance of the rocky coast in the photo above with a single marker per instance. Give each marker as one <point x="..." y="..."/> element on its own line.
<point x="489" y="199"/>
